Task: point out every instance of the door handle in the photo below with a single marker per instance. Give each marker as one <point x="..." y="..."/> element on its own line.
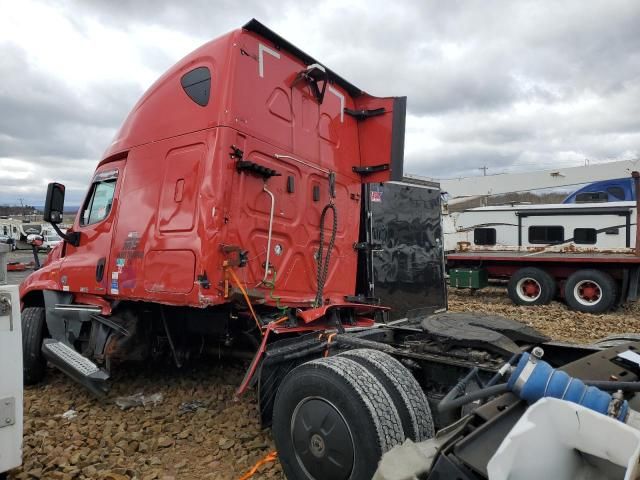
<point x="100" y="269"/>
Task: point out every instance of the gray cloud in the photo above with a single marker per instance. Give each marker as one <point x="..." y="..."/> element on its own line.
<point x="511" y="85"/>
<point x="201" y="18"/>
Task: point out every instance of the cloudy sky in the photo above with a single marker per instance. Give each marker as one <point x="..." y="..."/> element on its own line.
<point x="508" y="85"/>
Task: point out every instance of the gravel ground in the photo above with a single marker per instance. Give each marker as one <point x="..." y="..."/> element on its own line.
<point x="554" y="320"/>
<point x="222" y="438"/>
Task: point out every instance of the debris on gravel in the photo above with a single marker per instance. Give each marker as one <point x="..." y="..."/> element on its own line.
<point x="138" y="399"/>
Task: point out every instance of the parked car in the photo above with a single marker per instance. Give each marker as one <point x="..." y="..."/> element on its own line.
<point x="51" y="239"/>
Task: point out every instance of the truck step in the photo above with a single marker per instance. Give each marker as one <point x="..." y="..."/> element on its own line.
<point x="76" y="366"/>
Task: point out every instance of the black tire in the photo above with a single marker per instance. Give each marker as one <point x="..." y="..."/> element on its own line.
<point x="616" y="340"/>
<point x="333" y="420"/>
<point x="521" y="283"/>
<point x="404" y="389"/>
<point x="33" y="332"/>
<point x="590" y="291"/>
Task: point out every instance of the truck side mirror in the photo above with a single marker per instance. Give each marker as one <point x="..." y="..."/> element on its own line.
<point x="54" y="203"/>
<point x="53" y="210"/>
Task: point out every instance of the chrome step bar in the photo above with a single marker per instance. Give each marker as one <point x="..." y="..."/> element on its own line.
<point x="76" y="366"/>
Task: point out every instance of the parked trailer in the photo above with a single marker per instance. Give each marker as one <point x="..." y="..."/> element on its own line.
<point x="588" y="227"/>
<point x="587" y="282"/>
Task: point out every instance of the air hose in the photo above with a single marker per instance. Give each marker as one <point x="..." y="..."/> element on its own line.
<point x="323" y="263"/>
<point x="447" y="404"/>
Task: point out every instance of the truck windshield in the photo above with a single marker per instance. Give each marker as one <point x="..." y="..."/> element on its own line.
<point x="98" y="204"/>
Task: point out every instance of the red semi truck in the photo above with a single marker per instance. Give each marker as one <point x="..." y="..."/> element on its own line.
<point x="236" y="200"/>
<point x="228" y="203"/>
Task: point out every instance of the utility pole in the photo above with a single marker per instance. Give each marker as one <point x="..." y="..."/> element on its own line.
<point x="484" y="170"/>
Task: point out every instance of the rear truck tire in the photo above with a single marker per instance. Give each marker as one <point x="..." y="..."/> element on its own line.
<point x="531" y="286"/>
<point x="590" y="291"/>
<point x="404" y="389"/>
<point x="33" y="332"/>
<point x="333" y="420"/>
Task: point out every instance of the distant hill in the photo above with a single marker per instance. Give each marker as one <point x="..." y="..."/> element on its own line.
<point x="68" y="209"/>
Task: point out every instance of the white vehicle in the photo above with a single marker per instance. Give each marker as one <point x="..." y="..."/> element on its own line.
<point x="51" y="239"/>
<point x="10" y="379"/>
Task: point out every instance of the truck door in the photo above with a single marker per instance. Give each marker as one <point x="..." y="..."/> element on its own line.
<point x="85" y="267"/>
<point x="10" y="379"/>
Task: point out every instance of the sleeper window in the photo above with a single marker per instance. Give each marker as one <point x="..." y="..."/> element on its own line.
<point x="197" y="85"/>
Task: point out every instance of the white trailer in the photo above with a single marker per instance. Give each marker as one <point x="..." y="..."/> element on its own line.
<point x="572" y="227"/>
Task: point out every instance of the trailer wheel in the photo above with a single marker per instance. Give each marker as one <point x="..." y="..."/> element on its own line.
<point x="33" y="332"/>
<point x="590" y="291"/>
<point x="405" y="391"/>
<point x="531" y="286"/>
<point x="332" y="420"/>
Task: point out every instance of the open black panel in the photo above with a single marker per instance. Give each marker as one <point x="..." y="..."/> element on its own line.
<point x="401" y="254"/>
